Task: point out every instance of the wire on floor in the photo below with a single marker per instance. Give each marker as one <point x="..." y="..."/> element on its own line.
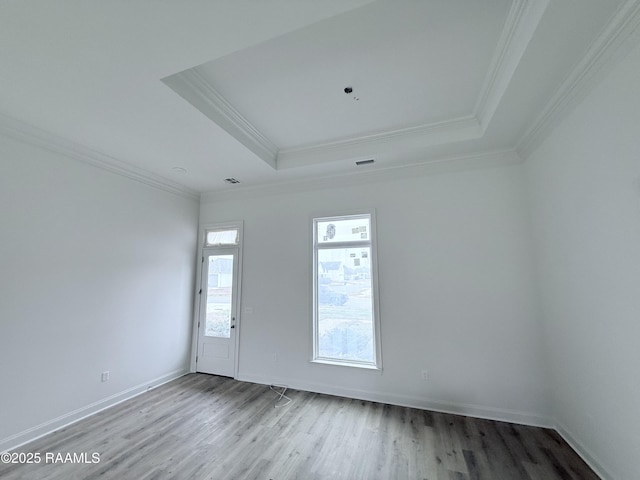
<point x="281" y="395"/>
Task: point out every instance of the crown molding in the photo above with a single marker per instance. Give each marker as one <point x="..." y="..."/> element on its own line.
<point x="520" y="25"/>
<point x="193" y="87"/>
<point x="522" y="20"/>
<point x="448" y="164"/>
<point x="31" y="135"/>
<point x="617" y="38"/>
<point x="421" y="136"/>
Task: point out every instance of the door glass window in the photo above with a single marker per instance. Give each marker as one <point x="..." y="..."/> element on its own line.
<point x="219" y="296"/>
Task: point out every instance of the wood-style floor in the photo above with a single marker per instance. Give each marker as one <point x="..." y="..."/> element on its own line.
<point x="208" y="427"/>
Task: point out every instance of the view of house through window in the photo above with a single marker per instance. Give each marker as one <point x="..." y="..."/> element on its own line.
<point x="345" y="329"/>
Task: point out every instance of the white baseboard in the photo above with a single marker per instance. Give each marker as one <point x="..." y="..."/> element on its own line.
<point x="31" y="434"/>
<point x="596" y="465"/>
<point x="489" y="413"/>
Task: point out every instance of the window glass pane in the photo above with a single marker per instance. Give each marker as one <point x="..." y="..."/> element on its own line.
<point x="222" y="237"/>
<point x="344" y="305"/>
<point x="349" y="229"/>
<point x="219" y="296"/>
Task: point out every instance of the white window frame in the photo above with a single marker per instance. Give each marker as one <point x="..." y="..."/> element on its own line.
<point x="371" y="243"/>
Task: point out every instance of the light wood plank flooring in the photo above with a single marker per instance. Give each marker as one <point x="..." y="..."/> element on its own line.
<point x="208" y="427"/>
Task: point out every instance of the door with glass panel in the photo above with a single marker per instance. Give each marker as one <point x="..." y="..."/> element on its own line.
<point x="218" y="304"/>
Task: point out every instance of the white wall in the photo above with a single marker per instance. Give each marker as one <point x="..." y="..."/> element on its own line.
<point x="456" y="293"/>
<point x="96" y="273"/>
<point x="585" y="194"/>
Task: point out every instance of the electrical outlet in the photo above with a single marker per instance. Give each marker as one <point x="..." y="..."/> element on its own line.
<point x="274" y="357"/>
<point x="425" y="375"/>
<point x="105" y="376"/>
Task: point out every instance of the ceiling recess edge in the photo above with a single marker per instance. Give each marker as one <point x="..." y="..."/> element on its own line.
<point x="521" y="22"/>
<point x="618" y="37"/>
<point x="25" y="133"/>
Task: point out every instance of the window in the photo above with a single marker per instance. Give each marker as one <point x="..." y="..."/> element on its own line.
<point x="345" y="320"/>
<point x="216" y="238"/>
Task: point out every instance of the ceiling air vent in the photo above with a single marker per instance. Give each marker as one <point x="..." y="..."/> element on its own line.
<point x="231" y="181"/>
<point x="365" y="162"/>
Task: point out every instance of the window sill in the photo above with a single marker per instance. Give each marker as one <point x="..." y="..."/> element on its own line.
<point x="337" y="363"/>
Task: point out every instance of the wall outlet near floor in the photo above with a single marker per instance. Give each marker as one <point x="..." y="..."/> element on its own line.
<point x="274" y="357"/>
<point x="424" y="375"/>
<point x="105" y="376"/>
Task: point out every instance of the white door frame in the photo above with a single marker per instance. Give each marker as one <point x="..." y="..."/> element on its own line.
<point x="198" y="290"/>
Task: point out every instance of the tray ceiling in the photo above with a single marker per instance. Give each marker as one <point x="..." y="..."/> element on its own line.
<point x="422" y="67"/>
<point x="186" y="94"/>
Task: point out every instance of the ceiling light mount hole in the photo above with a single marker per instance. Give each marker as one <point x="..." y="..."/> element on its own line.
<point x="349" y="91"/>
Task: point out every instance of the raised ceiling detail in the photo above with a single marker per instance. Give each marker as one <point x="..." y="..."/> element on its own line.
<point x="191" y="85"/>
<point x="433" y="73"/>
<point x="620" y="35"/>
<point x="443" y="84"/>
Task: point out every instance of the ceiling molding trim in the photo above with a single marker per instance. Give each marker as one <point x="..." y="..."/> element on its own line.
<point x="449" y="164"/>
<point x="31" y="135"/>
<point x="520" y="26"/>
<point x="193" y="87"/>
<point x="617" y="39"/>
<point x="455" y="130"/>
